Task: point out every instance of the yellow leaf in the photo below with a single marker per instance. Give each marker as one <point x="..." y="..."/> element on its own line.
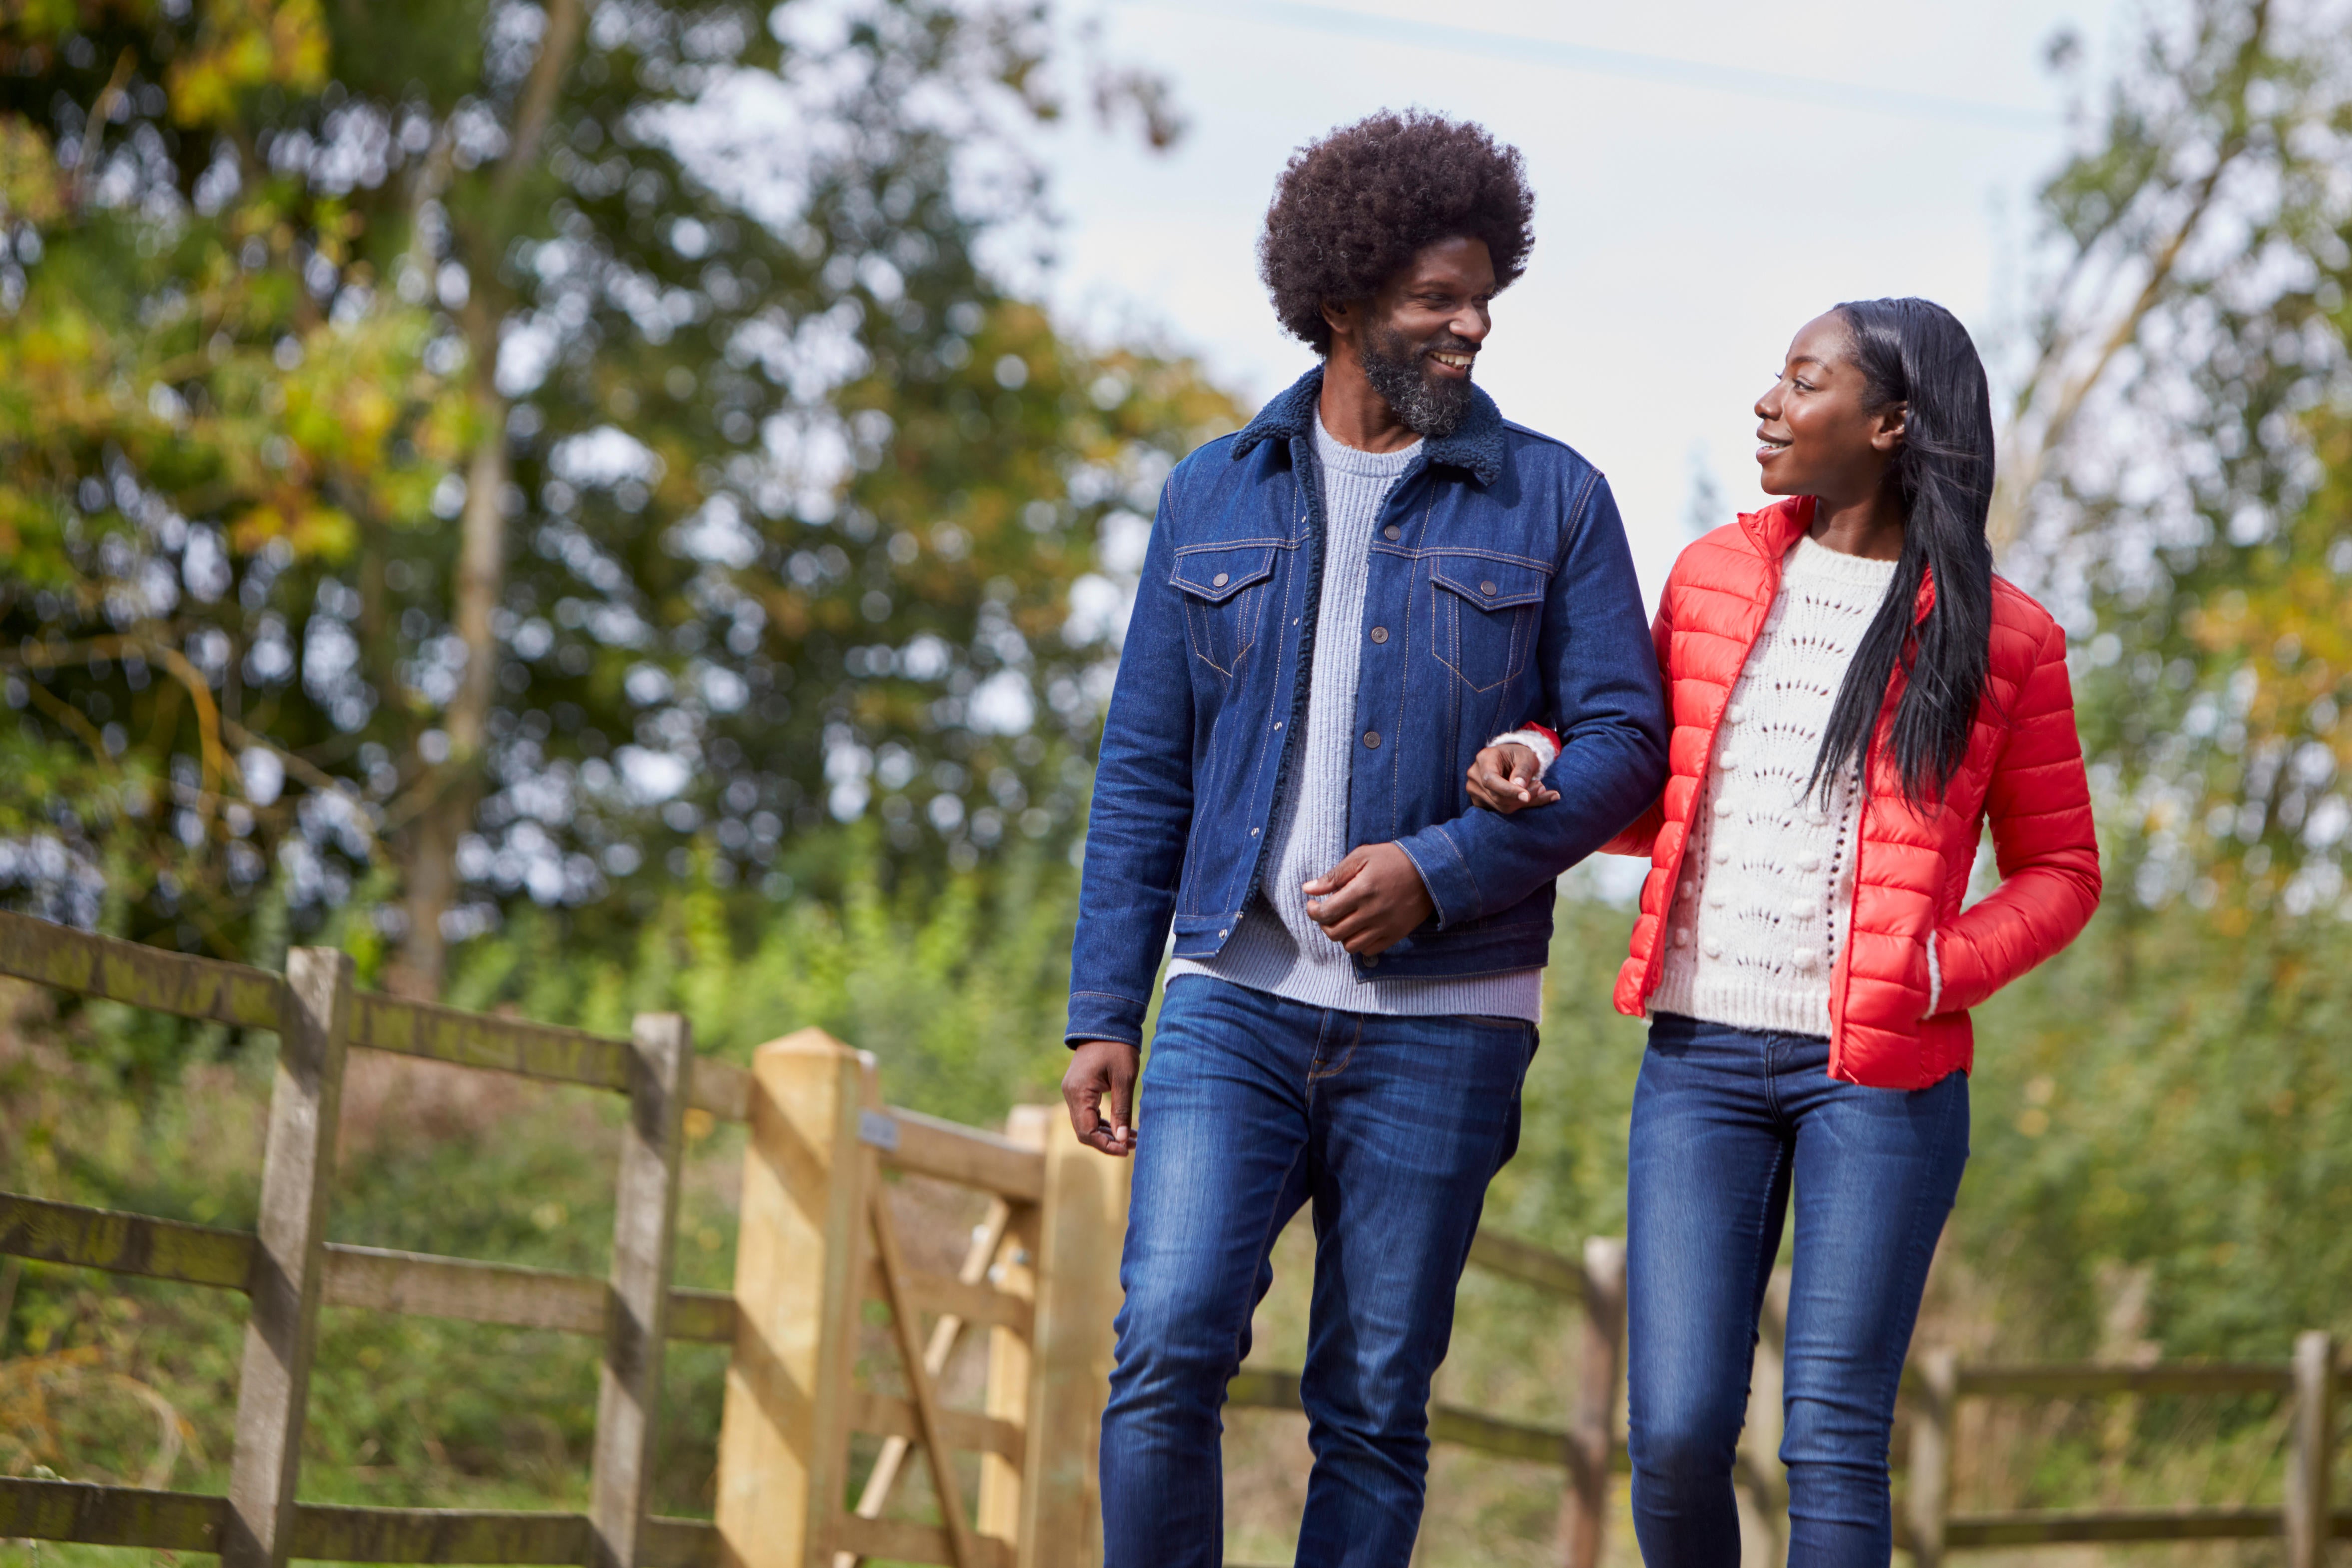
<point x="31" y="188"/>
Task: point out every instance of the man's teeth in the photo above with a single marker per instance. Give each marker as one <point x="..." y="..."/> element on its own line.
<point x="1459" y="361"/>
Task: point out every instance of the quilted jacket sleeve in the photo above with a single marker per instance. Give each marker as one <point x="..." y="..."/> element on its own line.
<point x="1641" y="836"/>
<point x="2040" y="805"/>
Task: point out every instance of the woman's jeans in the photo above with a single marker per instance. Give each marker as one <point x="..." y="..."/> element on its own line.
<point x="1724" y="1121"/>
<point x="1252" y="1106"/>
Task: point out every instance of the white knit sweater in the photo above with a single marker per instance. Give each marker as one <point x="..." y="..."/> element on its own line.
<point x="1767" y="883"/>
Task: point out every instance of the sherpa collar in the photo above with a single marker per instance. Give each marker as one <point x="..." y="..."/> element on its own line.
<point x="1476" y="442"/>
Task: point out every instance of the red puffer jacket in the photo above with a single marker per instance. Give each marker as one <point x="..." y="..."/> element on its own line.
<point x="1911" y="946"/>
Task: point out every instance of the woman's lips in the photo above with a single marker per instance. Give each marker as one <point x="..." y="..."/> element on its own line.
<point x="1766" y="448"/>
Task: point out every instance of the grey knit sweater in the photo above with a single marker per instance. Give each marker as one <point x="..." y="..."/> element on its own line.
<point x="1278" y="947"/>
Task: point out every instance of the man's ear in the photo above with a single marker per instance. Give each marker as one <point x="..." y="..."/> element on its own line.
<point x="1892" y="423"/>
<point x="1340" y="317"/>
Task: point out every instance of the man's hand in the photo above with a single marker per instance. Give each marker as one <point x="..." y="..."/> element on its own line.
<point x="1099" y="1090"/>
<point x="1371" y="900"/>
<point x="1505" y="777"/>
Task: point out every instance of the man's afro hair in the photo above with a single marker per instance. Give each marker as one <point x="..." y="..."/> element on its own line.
<point x="1352" y="210"/>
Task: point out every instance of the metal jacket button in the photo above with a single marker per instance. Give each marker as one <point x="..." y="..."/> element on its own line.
<point x="1373" y="962"/>
<point x="1373" y="738"/>
<point x="1380" y="633"/>
<point x="1393" y="532"/>
<point x="1487" y="589"/>
<point x="1219" y="581"/>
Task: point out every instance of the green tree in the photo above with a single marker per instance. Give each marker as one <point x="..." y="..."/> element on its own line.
<point x="506" y="446"/>
<point x="2175" y="474"/>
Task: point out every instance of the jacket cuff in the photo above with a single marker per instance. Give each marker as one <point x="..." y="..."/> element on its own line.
<point x="1957" y="971"/>
<point x="1536" y="739"/>
<point x="1099" y="1015"/>
<point x="1445" y="873"/>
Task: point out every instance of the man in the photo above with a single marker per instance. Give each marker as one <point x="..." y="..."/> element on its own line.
<point x="1339" y="607"/>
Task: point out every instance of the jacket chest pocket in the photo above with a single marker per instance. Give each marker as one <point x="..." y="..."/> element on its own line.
<point x="1226" y="593"/>
<point x="1484" y="615"/>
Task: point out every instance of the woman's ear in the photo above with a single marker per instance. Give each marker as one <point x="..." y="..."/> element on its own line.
<point x="1893" y="421"/>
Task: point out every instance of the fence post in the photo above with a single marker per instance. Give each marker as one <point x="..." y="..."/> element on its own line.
<point x="1584" y="1509"/>
<point x="644" y="1220"/>
<point x="1080" y="1229"/>
<point x="2311" y="1453"/>
<point x="298" y="1171"/>
<point x="1928" y="1496"/>
<point x="782" y="1435"/>
<point x="1009" y="1359"/>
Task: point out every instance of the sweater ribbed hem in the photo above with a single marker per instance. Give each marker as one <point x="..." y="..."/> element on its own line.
<point x="1742" y="1002"/>
<point x="1262" y="956"/>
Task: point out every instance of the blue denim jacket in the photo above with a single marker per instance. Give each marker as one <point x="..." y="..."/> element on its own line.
<point x="1504" y="594"/>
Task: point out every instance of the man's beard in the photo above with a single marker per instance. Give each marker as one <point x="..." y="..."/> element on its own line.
<point x="1428" y="406"/>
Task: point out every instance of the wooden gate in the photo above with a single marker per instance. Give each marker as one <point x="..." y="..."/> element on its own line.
<point x="819" y="1240"/>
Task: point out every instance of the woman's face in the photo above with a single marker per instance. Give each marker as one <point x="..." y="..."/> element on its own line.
<point x="1816" y="433"/>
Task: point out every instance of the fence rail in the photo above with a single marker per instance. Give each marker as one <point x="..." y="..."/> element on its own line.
<point x="1046" y="1335"/>
<point x="190" y="1522"/>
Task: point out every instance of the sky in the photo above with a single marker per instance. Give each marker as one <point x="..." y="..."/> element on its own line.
<point x="1708" y="176"/>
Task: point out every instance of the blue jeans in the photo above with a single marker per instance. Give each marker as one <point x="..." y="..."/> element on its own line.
<point x="1251" y="1106"/>
<point x="1724" y="1119"/>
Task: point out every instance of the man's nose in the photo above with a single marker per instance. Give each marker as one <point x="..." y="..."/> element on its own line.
<point x="1472" y="324"/>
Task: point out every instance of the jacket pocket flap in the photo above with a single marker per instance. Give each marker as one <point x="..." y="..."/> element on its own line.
<point x="1214" y="576"/>
<point x="1488" y="584"/>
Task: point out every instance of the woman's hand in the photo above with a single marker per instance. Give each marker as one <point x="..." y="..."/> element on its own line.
<point x="1505" y="777"/>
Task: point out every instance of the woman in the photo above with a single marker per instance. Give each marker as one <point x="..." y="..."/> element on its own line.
<point x="1854" y="694"/>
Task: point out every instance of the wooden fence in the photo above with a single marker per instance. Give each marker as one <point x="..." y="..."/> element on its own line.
<point x="1937" y="1381"/>
<point x="1590" y="1448"/>
<point x="818" y="1240"/>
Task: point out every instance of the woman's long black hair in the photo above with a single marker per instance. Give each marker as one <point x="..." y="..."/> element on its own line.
<point x="1917" y="353"/>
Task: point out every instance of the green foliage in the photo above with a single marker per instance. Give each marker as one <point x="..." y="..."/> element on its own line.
<point x="782" y="499"/>
<point x="2197" y="507"/>
<point x="2171" y="1094"/>
<point x="959" y="991"/>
